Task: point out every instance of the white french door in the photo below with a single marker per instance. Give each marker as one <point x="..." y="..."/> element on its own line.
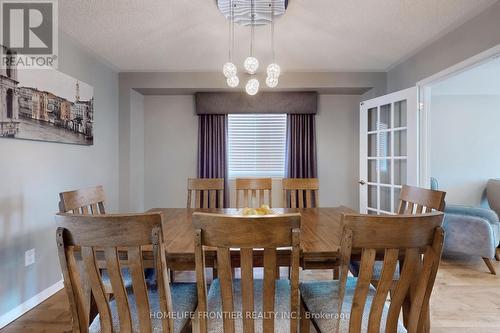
<point x="388" y="150"/>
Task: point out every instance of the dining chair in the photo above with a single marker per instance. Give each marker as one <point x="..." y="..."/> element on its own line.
<point x="354" y="304"/>
<point x="207" y="192"/>
<point x="259" y="305"/>
<point x="250" y="188"/>
<point x="83" y="201"/>
<point x="114" y="242"/>
<point x="412" y="200"/>
<point x="417" y="200"/>
<point x="91" y="201"/>
<point x="300" y="192"/>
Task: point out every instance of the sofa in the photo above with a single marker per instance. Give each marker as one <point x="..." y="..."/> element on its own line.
<point x="474" y="231"/>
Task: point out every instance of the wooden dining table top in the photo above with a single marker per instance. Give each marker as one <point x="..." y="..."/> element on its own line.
<point x="320" y="228"/>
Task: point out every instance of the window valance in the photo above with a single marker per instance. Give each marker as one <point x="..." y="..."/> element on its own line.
<point x="264" y="102"/>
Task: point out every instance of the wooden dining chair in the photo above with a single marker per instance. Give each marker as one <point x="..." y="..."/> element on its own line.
<point x="412" y="200"/>
<point x="83" y="201"/>
<point x="300" y="192"/>
<point x="417" y="240"/>
<point x="417" y="200"/>
<point x="91" y="201"/>
<point x="256" y="303"/>
<point x="250" y="188"/>
<point x="114" y="242"/>
<point x="207" y="192"/>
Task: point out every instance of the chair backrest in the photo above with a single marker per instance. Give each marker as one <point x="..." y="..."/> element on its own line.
<point x="83" y="201"/>
<point x="251" y="188"/>
<point x="417" y="200"/>
<point x="207" y="192"/>
<point x="300" y="192"/>
<point x="247" y="233"/>
<point x="493" y="194"/>
<point x="417" y="241"/>
<point x="111" y="242"/>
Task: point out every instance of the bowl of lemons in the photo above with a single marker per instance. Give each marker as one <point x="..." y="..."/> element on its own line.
<point x="263" y="210"/>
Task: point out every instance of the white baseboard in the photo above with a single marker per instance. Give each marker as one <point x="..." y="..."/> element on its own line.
<point x="21" y="309"/>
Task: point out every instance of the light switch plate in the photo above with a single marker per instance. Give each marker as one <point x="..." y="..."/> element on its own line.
<point x="29" y="257"/>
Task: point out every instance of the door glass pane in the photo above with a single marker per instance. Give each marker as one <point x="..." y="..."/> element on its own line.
<point x="400" y="114"/>
<point x="372" y="145"/>
<point x="372" y="212"/>
<point x="372" y="171"/>
<point x="385" y="171"/>
<point x="372" y="196"/>
<point x="385" y="117"/>
<point x="384" y="144"/>
<point x="385" y="198"/>
<point x="400" y="143"/>
<point x="397" y="192"/>
<point x="400" y="172"/>
<point x="372" y="119"/>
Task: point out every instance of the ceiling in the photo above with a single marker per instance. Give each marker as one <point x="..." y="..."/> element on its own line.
<point x="483" y="79"/>
<point x="313" y="35"/>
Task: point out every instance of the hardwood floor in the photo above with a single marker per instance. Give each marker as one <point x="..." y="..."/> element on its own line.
<point x="466" y="298"/>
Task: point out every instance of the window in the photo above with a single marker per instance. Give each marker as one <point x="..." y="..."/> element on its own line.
<point x="256" y="145"/>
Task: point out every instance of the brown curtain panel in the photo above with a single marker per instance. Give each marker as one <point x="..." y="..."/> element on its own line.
<point x="212" y="149"/>
<point x="301" y="161"/>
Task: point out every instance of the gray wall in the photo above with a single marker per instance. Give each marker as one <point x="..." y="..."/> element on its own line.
<point x="338" y="150"/>
<point x="465" y="145"/>
<point x="170" y="143"/>
<point x="33" y="173"/>
<point x="136" y="153"/>
<point x="475" y="36"/>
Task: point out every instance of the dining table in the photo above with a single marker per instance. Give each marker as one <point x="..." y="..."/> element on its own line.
<point x="320" y="234"/>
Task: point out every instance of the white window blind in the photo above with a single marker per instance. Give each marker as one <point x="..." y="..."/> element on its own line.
<point x="256" y="145"/>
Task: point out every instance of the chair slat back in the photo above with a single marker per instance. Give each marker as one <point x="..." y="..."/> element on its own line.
<point x="415" y="240"/>
<point x="83" y="201"/>
<point x="247" y="234"/>
<point x="112" y="242"/>
<point x="253" y="192"/>
<point x="417" y="200"/>
<point x="300" y="192"/>
<point x="207" y="193"/>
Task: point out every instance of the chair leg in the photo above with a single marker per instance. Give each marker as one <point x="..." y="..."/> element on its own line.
<point x="497" y="254"/>
<point x="488" y="263"/>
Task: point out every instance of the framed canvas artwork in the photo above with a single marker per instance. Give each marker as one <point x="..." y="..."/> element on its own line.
<point x="45" y="105"/>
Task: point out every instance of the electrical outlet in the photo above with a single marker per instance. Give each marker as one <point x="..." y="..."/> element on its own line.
<point x="29" y="257"/>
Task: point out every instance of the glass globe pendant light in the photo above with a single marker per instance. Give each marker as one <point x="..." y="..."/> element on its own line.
<point x="273" y="70"/>
<point x="272" y="82"/>
<point x="233" y="81"/>
<point x="252" y="87"/>
<point x="229" y="69"/>
<point x="251" y="64"/>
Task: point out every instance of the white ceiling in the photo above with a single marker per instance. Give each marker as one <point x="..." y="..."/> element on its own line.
<point x="314" y="35"/>
<point x="483" y="79"/>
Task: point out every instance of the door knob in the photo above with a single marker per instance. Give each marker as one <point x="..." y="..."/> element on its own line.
<point x="362" y="182"/>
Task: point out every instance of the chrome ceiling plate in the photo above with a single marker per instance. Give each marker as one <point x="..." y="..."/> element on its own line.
<point x="263" y="10"/>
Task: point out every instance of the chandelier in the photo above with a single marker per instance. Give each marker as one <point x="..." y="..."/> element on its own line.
<point x="251" y="13"/>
